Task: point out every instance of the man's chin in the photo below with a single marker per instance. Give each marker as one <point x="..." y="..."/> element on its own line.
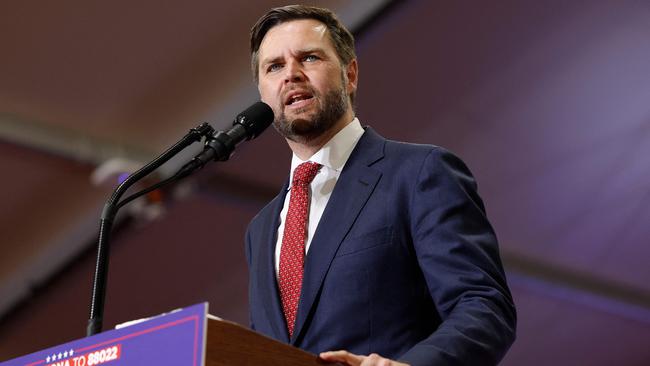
<point x="300" y="130"/>
<point x="304" y="129"/>
<point x="299" y="122"/>
<point x="295" y="114"/>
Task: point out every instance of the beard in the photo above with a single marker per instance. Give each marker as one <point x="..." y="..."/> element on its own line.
<point x="331" y="107"/>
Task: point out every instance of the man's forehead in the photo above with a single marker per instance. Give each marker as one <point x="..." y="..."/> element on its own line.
<point x="311" y="27"/>
<point x="298" y="35"/>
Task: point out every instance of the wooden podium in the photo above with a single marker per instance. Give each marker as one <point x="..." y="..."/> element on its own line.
<point x="231" y="344"/>
<point x="185" y="337"/>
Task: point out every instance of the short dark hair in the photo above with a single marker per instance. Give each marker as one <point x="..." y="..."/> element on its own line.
<point x="340" y="36"/>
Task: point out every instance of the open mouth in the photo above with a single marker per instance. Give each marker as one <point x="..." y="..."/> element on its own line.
<point x="298" y="99"/>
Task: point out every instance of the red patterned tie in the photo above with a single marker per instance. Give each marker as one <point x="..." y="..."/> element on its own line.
<point x="292" y="253"/>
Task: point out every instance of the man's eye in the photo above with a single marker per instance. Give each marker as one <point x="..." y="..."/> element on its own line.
<point x="311" y="58"/>
<point x="273" y="67"/>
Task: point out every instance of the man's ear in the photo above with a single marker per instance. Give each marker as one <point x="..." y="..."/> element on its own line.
<point x="352" y="73"/>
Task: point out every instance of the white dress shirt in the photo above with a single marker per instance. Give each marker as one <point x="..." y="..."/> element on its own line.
<point x="332" y="156"/>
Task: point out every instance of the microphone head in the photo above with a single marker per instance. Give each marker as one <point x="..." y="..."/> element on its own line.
<point x="255" y="119"/>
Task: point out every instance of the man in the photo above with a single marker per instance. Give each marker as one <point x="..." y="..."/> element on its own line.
<point x="373" y="246"/>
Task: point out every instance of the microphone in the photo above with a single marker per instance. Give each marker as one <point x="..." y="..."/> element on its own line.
<point x="219" y="147"/>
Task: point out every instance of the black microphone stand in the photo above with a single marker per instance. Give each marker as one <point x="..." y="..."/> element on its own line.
<point x="110" y="211"/>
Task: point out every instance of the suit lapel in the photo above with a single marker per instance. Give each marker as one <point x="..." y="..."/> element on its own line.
<point x="352" y="190"/>
<point x="269" y="284"/>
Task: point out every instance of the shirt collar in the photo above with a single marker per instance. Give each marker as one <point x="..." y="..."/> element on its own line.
<point x="335" y="153"/>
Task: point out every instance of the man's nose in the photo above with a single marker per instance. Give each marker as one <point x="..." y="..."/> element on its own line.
<point x="293" y="72"/>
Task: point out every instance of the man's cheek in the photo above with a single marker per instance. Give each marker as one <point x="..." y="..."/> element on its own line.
<point x="270" y="98"/>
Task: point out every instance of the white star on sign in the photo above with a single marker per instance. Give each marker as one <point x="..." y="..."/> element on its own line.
<point x="60" y="355"/>
<point x="71" y="352"/>
<point x="47" y="359"/>
<point x="65" y="354"/>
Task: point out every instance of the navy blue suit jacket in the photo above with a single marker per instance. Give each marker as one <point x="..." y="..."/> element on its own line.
<point x="403" y="263"/>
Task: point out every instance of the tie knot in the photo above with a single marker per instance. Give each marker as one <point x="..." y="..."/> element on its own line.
<point x="305" y="173"/>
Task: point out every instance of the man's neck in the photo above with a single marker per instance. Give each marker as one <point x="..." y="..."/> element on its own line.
<point x="306" y="149"/>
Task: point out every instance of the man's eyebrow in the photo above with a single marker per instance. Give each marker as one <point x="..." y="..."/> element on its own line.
<point x="271" y="60"/>
<point x="311" y="50"/>
<point x="302" y="52"/>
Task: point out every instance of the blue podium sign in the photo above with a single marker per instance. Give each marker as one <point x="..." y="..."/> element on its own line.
<point x="173" y="339"/>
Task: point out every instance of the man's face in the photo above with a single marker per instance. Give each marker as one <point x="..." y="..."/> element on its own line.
<point x="302" y="79"/>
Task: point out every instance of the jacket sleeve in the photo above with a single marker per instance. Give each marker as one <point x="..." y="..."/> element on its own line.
<point x="458" y="253"/>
